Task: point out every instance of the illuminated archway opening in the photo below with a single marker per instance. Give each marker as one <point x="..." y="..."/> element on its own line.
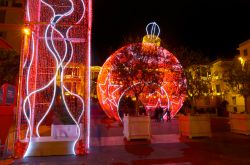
<point x="147" y="99"/>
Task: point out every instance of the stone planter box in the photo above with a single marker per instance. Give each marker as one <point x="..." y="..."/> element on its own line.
<point x="240" y="123"/>
<point x="47" y="146"/>
<point x="60" y="142"/>
<point x="137" y="127"/>
<point x="195" y="126"/>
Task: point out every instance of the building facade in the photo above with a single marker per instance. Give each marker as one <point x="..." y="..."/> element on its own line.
<point x="221" y="89"/>
<point x="216" y="73"/>
<point x="244" y="50"/>
<point x="93" y="78"/>
<point x="11" y="22"/>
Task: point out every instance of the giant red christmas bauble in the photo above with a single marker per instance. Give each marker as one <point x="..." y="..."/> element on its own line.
<point x="169" y="92"/>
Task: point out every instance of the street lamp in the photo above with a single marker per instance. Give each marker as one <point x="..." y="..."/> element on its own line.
<point x="242" y="61"/>
<point x="26" y="31"/>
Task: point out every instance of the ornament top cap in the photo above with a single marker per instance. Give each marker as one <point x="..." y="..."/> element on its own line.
<point x="153" y="30"/>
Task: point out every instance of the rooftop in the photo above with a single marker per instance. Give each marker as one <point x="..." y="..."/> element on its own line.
<point x="244" y="43"/>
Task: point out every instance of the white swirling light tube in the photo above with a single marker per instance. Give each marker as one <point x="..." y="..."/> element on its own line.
<point x="59" y="65"/>
<point x="63" y="67"/>
<point x="43" y="88"/>
<point x="153" y="27"/>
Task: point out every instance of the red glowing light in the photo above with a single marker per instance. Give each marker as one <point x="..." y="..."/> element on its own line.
<point x="171" y="93"/>
<point x="54" y="69"/>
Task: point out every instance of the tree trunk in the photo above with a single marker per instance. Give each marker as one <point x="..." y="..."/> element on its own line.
<point x="137" y="105"/>
<point x="193" y="105"/>
<point x="137" y="108"/>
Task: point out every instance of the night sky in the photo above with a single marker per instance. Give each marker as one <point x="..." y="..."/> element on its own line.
<point x="214" y="27"/>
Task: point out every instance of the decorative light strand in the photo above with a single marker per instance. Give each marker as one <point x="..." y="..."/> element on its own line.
<point x="49" y="33"/>
<point x="153" y="29"/>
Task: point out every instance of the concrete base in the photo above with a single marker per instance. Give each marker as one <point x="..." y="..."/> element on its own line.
<point x="240" y="123"/>
<point x="46" y="146"/>
<point x="137" y="127"/>
<point x="195" y="126"/>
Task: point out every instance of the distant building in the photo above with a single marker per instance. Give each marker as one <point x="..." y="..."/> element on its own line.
<point x="216" y="72"/>
<point x="220" y="88"/>
<point x="244" y="50"/>
<point x="199" y="80"/>
<point x="11" y="22"/>
<point x="244" y="58"/>
<point x="93" y="77"/>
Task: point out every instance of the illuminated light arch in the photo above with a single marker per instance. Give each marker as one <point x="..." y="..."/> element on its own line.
<point x="171" y="93"/>
<point x="145" y="101"/>
<point x="55" y="65"/>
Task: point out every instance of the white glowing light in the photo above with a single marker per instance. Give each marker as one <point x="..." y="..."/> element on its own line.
<point x="122" y="96"/>
<point x="179" y="104"/>
<point x="27" y="86"/>
<point x="153" y="29"/>
<point x="83" y="13"/>
<point x="159" y="103"/>
<point x="110" y="99"/>
<point x="89" y="62"/>
<point x="63" y="97"/>
<point x="59" y="67"/>
<point x="24" y="111"/>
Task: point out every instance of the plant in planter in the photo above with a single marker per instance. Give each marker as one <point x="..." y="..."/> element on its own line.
<point x="238" y="80"/>
<point x="198" y="87"/>
<point x="192" y="125"/>
<point x="196" y="71"/>
<point x="62" y="123"/>
<point x="60" y="115"/>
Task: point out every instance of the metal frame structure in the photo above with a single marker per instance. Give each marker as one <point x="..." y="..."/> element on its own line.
<point x="55" y="71"/>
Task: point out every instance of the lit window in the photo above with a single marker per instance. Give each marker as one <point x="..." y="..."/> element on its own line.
<point x="234" y="100"/>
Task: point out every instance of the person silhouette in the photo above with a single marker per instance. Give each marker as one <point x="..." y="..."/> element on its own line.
<point x="168" y="114"/>
<point x="160" y="114"/>
<point x="156" y="113"/>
